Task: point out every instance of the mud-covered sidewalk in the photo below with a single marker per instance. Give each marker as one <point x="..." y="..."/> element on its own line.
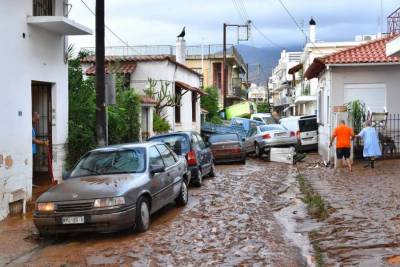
<point x="363" y="227"/>
<point x="230" y="221"/>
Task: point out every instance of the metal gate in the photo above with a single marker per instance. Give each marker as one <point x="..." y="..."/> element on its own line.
<point x="41" y="103"/>
<point x="389" y="136"/>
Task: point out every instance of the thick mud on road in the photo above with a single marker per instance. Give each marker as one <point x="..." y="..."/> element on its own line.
<point x="363" y="230"/>
<point x="229" y="221"/>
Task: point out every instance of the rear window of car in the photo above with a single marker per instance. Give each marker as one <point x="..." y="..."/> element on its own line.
<point x="177" y="142"/>
<point x="308" y="125"/>
<point x="272" y="127"/>
<point x="269" y="120"/>
<point x="223" y="138"/>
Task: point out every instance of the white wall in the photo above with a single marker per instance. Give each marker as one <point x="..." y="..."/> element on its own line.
<point x="168" y="71"/>
<point x="37" y="57"/>
<point x="334" y="81"/>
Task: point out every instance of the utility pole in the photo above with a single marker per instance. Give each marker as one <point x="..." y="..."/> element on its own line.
<point x="224" y="85"/>
<point x="101" y="112"/>
<point x="224" y="66"/>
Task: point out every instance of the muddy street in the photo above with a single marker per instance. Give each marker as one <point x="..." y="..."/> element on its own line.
<point x="230" y="221"/>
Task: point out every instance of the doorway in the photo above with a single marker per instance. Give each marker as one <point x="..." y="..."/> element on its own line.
<point x="41" y="103"/>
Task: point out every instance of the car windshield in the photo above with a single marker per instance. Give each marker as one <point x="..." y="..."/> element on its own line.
<point x="177" y="142"/>
<point x="223" y="138"/>
<point x="272" y="127"/>
<point x="269" y="120"/>
<point x="111" y="162"/>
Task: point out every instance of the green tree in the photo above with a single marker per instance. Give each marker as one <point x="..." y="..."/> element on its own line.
<point x="209" y="102"/>
<point x="160" y="124"/>
<point x="262" y="107"/>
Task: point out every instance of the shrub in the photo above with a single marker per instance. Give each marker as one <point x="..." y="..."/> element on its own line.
<point x="160" y="125"/>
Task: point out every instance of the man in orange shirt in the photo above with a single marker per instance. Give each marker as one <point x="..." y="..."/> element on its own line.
<point x="343" y="135"/>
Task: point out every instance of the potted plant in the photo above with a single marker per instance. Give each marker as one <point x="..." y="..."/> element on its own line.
<point x="357" y="114"/>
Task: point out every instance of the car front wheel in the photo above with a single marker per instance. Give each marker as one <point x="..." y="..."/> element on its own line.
<point x="183" y="196"/>
<point x="142" y="215"/>
<point x="212" y="170"/>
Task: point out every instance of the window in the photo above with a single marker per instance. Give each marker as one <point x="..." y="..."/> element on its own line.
<point x="217" y="75"/>
<point x="155" y="157"/>
<point x="178" y="94"/>
<point x="194" y="104"/>
<point x="111" y="162"/>
<point x="177" y="142"/>
<point x="166" y="155"/>
<point x="43" y="7"/>
<point x="202" y="145"/>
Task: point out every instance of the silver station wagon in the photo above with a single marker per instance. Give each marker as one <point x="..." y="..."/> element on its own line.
<point x="114" y="188"/>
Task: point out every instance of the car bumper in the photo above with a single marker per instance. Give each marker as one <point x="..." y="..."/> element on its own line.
<point x="101" y="221"/>
<point x="194" y="171"/>
<point x="283" y="143"/>
<point x="229" y="158"/>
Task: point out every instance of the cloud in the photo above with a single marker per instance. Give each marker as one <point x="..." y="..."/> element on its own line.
<point x="158" y="21"/>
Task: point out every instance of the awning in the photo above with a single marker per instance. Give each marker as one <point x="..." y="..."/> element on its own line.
<point x="314" y="69"/>
<point x="117" y="67"/>
<point x="295" y="68"/>
<point x="58" y="24"/>
<point x="189" y="87"/>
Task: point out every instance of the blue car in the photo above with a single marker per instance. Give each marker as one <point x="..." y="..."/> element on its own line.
<point x="198" y="155"/>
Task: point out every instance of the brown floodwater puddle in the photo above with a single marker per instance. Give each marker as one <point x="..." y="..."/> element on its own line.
<point x="393" y="260"/>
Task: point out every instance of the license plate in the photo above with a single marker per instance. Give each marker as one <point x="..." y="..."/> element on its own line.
<point x="280" y="134"/>
<point x="73" y="220"/>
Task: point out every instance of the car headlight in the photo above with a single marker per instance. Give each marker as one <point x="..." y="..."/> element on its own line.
<point x="108" y="202"/>
<point x="47" y="206"/>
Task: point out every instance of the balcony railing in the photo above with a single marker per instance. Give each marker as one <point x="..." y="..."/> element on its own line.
<point x="192" y="51"/>
<point x="287" y="100"/>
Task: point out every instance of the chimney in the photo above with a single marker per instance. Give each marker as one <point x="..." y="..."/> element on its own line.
<point x="312" y="30"/>
<point x="181" y="51"/>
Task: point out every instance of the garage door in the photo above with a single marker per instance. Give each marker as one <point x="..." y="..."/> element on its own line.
<point x="372" y="94"/>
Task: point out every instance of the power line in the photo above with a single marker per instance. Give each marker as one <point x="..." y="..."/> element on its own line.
<point x="298" y="25"/>
<point x="108" y="28"/>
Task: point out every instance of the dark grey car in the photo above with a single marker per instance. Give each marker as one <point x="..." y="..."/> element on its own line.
<point x="114" y="188"/>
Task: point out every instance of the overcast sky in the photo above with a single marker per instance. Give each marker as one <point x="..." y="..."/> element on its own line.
<point x="147" y="22"/>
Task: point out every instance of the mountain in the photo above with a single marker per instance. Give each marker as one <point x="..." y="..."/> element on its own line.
<point x="261" y="61"/>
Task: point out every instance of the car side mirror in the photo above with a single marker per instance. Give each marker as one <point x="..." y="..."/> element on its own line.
<point x="156" y="169"/>
<point x="66" y="175"/>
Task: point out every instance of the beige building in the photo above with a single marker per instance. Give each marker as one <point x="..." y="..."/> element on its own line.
<point x="207" y="60"/>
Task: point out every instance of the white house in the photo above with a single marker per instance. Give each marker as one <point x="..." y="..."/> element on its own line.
<point x="305" y="96"/>
<point x="280" y="83"/>
<point x="363" y="72"/>
<point x="257" y="93"/>
<point x="34" y="77"/>
<point x="163" y="70"/>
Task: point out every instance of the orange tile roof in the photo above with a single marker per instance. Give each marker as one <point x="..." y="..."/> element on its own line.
<point x="371" y="52"/>
<point x="120" y="68"/>
<point x="140" y="58"/>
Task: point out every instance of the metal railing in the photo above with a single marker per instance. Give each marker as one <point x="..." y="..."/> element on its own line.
<point x="192" y="51"/>
<point x="389" y="136"/>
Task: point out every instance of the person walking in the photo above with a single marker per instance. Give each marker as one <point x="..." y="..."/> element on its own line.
<point x="372" y="149"/>
<point x="35" y="141"/>
<point x="343" y="135"/>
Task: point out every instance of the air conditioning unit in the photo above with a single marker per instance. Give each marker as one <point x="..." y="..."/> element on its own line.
<point x="366" y="37"/>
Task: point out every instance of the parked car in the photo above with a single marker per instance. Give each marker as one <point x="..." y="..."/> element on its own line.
<point x="190" y="144"/>
<point x="267" y="136"/>
<point x="306" y="129"/>
<point x="263" y="117"/>
<point x="114" y="188"/>
<point x="227" y="148"/>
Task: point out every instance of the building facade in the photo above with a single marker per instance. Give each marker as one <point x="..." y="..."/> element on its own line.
<point x="165" y="73"/>
<point x="35" y="79"/>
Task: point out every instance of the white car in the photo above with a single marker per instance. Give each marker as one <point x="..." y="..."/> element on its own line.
<point x="263" y="117"/>
<point x="306" y="129"/>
